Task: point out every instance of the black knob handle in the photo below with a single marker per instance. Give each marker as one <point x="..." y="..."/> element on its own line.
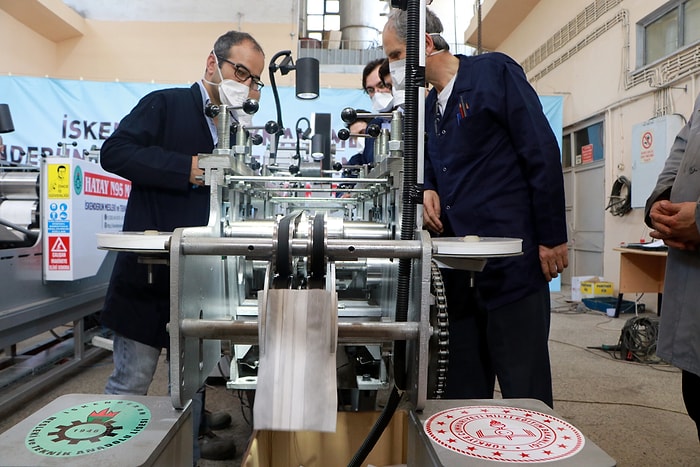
<point x="256" y="139"/>
<point x="255" y="165"/>
<point x="211" y="110"/>
<point x="271" y="127"/>
<point x="293" y="169"/>
<point x="250" y="106"/>
<point x="343" y="134"/>
<point x="373" y="130"/>
<point x="337" y="166"/>
<point x="348" y="115"/>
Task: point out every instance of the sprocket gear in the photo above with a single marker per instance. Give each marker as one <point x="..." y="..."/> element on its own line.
<point x="62" y="430"/>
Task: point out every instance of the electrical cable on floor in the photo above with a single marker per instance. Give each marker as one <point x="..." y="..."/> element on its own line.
<point x="244" y="405"/>
<point x="638" y="339"/>
<point x="620" y="202"/>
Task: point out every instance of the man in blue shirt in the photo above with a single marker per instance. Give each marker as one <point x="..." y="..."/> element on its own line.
<point x="492" y="169"/>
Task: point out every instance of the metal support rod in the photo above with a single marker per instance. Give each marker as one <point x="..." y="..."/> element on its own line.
<point x="246" y="332"/>
<point x="340" y="249"/>
<point x="273" y="178"/>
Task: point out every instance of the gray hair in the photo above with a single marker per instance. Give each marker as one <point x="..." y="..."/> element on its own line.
<point x="433" y="26"/>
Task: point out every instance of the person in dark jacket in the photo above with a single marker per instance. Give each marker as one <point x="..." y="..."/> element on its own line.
<point x="492" y="169"/>
<point x="156" y="147"/>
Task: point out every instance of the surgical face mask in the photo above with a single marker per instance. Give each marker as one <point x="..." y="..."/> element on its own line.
<point x="382" y="101"/>
<point x="397" y="70"/>
<point x="233" y="94"/>
<point x="359" y="144"/>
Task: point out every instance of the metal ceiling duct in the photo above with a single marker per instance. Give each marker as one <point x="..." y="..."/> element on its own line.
<point x="361" y="23"/>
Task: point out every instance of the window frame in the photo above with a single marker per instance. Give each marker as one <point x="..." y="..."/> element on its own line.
<point x="652" y="18"/>
<point x="318" y="33"/>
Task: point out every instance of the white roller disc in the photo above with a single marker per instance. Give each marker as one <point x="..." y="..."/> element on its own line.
<point x="478" y="246"/>
<point x="149" y="241"/>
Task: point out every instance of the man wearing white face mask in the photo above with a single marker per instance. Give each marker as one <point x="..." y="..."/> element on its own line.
<point x="492" y="168"/>
<point x="378" y="91"/>
<point x="156" y="147"/>
<point x="234" y="91"/>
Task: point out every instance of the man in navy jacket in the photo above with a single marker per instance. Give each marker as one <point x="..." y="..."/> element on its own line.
<point x="156" y="147"/>
<point x="492" y="169"/>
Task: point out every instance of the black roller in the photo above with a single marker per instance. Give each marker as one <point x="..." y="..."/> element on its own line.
<point x="283" y="261"/>
<point x="318" y="248"/>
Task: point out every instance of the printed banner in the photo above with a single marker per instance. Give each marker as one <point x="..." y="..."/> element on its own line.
<point x="70" y="117"/>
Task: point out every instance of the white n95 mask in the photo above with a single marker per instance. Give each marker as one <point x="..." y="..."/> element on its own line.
<point x="359" y="144"/>
<point x="382" y="101"/>
<point x="234" y="94"/>
<point x="397" y="70"/>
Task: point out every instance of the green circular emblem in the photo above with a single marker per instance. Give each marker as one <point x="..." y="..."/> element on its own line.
<point x="88" y="428"/>
<point x="78" y="180"/>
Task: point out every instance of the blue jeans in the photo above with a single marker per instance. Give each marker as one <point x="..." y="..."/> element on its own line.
<point x="134" y="366"/>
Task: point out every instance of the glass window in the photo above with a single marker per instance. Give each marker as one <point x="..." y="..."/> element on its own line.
<point x="589" y="144"/>
<point x="332" y="23"/>
<point x="566" y="151"/>
<point x="333" y="6"/>
<point x="691" y="31"/>
<point x="315" y="23"/>
<point x="314" y="7"/>
<point x="322" y="16"/>
<point x="662" y="37"/>
<point x="673" y="27"/>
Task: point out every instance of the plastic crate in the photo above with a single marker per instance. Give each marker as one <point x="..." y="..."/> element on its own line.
<point x="603" y="303"/>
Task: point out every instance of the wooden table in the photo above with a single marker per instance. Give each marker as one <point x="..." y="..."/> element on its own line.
<point x="641" y="271"/>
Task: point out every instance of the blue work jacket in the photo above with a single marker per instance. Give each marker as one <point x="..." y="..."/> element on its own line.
<point x="496" y="165"/>
<point x="153" y="148"/>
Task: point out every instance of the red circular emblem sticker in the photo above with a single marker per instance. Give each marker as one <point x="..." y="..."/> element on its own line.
<point x="505" y="434"/>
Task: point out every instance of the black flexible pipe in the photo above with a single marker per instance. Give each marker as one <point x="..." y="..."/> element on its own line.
<point x="272" y="68"/>
<point x="410" y="163"/>
<point x="377" y="430"/>
<point x="414" y="78"/>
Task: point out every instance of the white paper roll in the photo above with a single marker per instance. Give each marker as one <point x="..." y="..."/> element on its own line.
<point x="17" y="212"/>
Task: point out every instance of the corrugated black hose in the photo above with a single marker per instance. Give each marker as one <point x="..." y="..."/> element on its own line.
<point x="414" y="79"/>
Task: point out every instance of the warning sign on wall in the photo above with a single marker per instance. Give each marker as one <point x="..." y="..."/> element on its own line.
<point x="58" y="181"/>
<point x="59" y="253"/>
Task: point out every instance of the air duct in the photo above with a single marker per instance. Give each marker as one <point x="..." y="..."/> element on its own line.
<point x="361" y="23"/>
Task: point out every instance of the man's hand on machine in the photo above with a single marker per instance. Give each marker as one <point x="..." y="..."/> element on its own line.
<point x="196" y="174"/>
<point x="431" y="211"/>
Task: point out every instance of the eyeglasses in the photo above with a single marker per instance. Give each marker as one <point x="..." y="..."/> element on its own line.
<point x="380" y="87"/>
<point x="243" y="74"/>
